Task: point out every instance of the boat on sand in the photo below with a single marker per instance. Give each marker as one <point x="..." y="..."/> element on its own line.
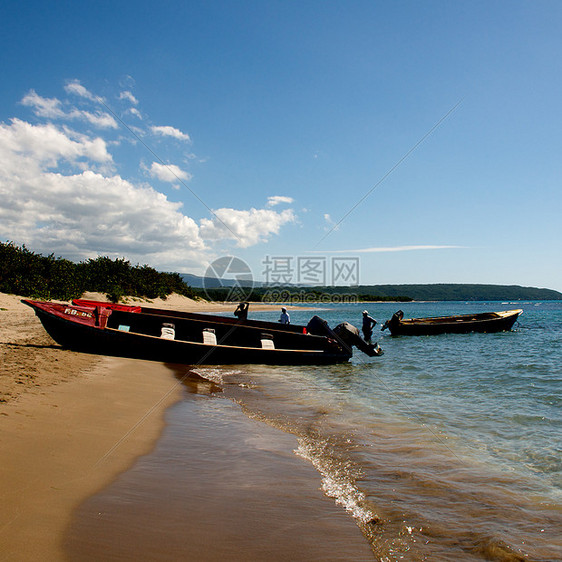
<point x="462" y="324"/>
<point x="190" y="338"/>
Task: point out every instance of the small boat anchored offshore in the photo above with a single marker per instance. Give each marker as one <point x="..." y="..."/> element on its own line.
<point x="188" y="338"/>
<point x="462" y="324"/>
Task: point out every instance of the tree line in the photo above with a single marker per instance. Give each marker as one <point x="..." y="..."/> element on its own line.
<point x="25" y="273"/>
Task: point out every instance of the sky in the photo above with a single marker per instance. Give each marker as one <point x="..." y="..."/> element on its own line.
<point x="419" y="141"/>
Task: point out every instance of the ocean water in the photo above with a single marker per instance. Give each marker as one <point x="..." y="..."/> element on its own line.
<point x="445" y="448"/>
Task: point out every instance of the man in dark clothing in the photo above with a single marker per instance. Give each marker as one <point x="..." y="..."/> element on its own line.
<point x="242" y="311"/>
<point x="368" y="325"/>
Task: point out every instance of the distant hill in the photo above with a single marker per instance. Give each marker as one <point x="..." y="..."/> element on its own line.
<point x="429" y="292"/>
<point x="198" y="282"/>
<point x="459" y="292"/>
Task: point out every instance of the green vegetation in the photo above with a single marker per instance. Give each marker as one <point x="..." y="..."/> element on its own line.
<point x="28" y="274"/>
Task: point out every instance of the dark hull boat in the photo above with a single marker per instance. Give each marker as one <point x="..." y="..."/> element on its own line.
<point x="462" y="324"/>
<point x="189" y="338"/>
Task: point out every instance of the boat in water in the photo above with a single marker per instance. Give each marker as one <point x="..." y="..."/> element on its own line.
<point x="189" y="338"/>
<point x="462" y="324"/>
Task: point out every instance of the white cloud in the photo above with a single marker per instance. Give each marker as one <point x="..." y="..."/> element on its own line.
<point x="129" y="97"/>
<point x="41" y="146"/>
<point x="331" y="225"/>
<point x="167" y="131"/>
<point x="134" y="111"/>
<point x="277" y="199"/>
<point x="99" y="119"/>
<point x="52" y="108"/>
<point x="168" y="172"/>
<point x="59" y="193"/>
<point x="74" y="87"/>
<point x="246" y="228"/>
<point x="85" y="214"/>
<point x="43" y="107"/>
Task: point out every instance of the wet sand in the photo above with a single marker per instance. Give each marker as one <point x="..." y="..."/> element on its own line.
<point x="218" y="486"/>
<point x="57" y="448"/>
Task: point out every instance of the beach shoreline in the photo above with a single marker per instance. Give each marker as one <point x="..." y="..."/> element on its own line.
<point x="71" y="423"/>
<point x="77" y="425"/>
<point x="217" y="486"/>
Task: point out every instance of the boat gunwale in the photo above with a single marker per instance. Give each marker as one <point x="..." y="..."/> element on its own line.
<point x="187" y="315"/>
<point x="52" y="308"/>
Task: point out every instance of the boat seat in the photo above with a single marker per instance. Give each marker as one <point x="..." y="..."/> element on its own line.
<point x="267" y="341"/>
<point x="209" y="336"/>
<point x="168" y="331"/>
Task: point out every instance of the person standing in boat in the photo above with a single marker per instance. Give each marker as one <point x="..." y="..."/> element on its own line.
<point x="368" y="325"/>
<point x="242" y="311"/>
<point x="285" y="318"/>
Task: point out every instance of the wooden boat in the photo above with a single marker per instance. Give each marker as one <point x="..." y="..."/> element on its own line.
<point x="190" y="338"/>
<point x="462" y="324"/>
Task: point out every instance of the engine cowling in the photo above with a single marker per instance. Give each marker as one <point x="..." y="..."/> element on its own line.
<point x="350" y="336"/>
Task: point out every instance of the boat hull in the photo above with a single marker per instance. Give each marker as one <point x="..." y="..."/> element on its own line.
<point x="488" y="322"/>
<point x="85" y="337"/>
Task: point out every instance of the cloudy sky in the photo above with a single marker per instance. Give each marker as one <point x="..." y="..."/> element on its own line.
<point x="423" y="138"/>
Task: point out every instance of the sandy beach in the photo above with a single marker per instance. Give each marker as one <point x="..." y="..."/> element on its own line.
<point x="70" y="423"/>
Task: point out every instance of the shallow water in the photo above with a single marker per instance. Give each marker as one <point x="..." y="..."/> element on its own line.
<point x="218" y="486"/>
<point x="445" y="448"/>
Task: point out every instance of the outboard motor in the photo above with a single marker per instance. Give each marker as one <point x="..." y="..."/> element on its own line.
<point x="319" y="327"/>
<point x="396" y="317"/>
<point x="349" y="334"/>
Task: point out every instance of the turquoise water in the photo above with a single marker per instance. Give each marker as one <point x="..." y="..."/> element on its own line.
<point x="445" y="447"/>
<point x="497" y="396"/>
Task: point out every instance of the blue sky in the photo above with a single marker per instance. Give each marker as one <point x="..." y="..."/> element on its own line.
<point x="175" y="133"/>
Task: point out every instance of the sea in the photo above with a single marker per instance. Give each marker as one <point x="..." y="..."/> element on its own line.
<point x="446" y="447"/>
